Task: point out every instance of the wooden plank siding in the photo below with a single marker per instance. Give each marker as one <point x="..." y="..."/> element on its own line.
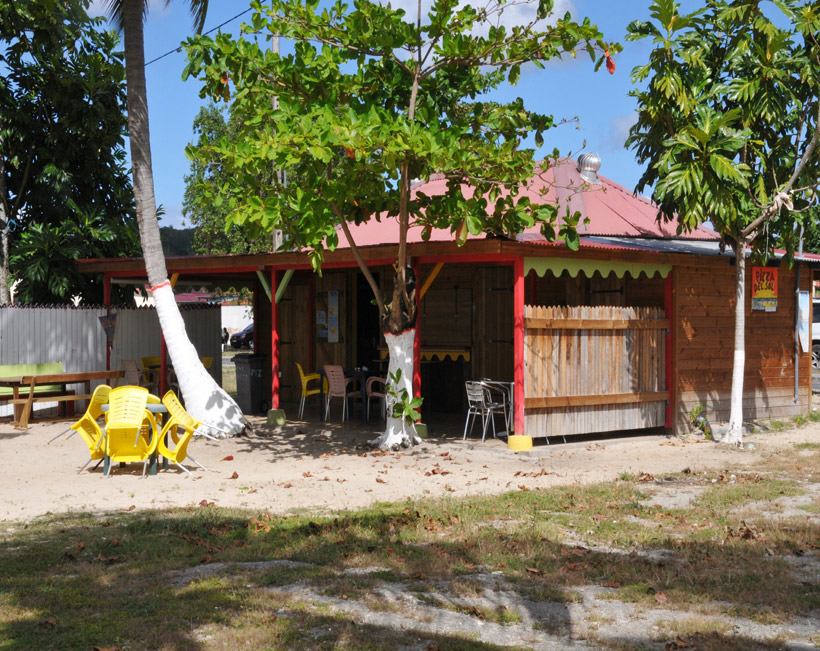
<point x="704" y="321"/>
<point x="594" y="369"/>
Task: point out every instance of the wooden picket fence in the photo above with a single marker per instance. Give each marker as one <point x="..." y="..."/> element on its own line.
<point x="594" y="369"/>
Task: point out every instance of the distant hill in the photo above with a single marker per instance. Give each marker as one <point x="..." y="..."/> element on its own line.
<point x="177" y="241"/>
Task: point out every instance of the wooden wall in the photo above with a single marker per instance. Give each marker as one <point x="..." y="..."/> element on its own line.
<point x="704" y="320"/>
<point x="294" y="316"/>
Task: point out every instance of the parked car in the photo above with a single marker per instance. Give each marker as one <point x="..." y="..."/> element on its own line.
<point x="815" y="335"/>
<point x="243" y="338"/>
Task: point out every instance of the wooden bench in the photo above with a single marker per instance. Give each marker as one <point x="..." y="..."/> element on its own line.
<point x="18" y="396"/>
<point x="29" y="385"/>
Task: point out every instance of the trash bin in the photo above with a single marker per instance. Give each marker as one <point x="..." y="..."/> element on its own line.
<point x="250" y="395"/>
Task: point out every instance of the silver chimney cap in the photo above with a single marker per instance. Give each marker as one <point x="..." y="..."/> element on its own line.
<point x="588" y="166"/>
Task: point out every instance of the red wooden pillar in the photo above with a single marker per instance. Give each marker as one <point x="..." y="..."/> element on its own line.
<point x="311" y="324"/>
<point x="668" y="303"/>
<point x="417" y="338"/>
<point x="107" y="303"/>
<point x="274" y="343"/>
<point x="518" y="344"/>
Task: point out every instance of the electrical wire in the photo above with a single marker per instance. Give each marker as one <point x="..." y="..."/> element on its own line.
<point x="179" y="49"/>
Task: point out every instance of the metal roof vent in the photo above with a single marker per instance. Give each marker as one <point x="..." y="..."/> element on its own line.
<point x="588" y="166"/>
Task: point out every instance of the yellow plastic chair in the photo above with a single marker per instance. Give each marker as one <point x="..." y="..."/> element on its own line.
<point x="150" y="372"/>
<point x="179" y="419"/>
<point x="88" y="428"/>
<point x="305" y="380"/>
<point x="131" y="431"/>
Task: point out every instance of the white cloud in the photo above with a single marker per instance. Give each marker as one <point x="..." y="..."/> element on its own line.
<point x="515" y="13"/>
<point x="98" y="7"/>
<point x="619" y="126"/>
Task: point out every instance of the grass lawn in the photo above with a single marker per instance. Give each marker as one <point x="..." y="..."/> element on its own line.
<point x="208" y="577"/>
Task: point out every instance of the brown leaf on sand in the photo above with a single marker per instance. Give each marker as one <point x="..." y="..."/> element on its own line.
<point x="306" y="474"/>
<point x="611" y="584"/>
<point x="660" y="597"/>
<point x="380" y="480"/>
<point x="235" y="475"/>
<point x="205" y="559"/>
<point x="228" y="458"/>
<point x="678" y="643"/>
<point x="252" y="490"/>
<point x="447" y="488"/>
<point x="595" y="446"/>
<point x="533" y="570"/>
<point x="205" y="503"/>
<point x="129" y="508"/>
<point x="645" y="476"/>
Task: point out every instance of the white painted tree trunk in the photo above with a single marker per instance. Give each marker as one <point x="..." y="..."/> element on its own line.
<point x="734" y="435"/>
<point x="204" y="399"/>
<point x="398" y="433"/>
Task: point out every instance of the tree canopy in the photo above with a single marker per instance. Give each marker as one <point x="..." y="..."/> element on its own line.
<point x="208" y="214"/>
<point x="727" y="122"/>
<point x="64" y="186"/>
<point x="372" y="98"/>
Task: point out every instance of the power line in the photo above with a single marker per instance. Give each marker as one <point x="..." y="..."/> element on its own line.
<point x="179" y="49"/>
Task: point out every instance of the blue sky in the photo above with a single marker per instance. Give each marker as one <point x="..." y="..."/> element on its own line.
<point x="567" y="89"/>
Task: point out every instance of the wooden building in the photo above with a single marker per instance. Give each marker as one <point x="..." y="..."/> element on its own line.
<point x="632" y="331"/>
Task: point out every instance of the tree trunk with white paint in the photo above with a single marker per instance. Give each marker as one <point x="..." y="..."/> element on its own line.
<point x="734" y="435"/>
<point x="398" y="432"/>
<point x="204" y="398"/>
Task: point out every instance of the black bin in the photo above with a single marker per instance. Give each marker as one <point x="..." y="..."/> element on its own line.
<point x="250" y="395"/>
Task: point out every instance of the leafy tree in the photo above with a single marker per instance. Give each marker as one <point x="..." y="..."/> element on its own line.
<point x="204" y="398"/>
<point x="213" y="233"/>
<point x="727" y="125"/>
<point x="370" y="100"/>
<point x="64" y="187"/>
<point x="177" y="241"/>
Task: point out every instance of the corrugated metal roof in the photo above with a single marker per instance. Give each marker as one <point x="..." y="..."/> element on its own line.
<point x="611" y="209"/>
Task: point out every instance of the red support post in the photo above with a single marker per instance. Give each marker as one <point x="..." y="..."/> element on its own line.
<point x="668" y="303"/>
<point x="518" y="344"/>
<point x="107" y="302"/>
<point x="274" y="343"/>
<point x="417" y="338"/>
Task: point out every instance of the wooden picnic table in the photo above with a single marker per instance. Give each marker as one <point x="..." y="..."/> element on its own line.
<point x="23" y="406"/>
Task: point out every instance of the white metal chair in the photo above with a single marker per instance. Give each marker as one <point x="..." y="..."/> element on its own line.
<point x="486" y="403"/>
<point x="337" y="388"/>
<point x="379" y="395"/>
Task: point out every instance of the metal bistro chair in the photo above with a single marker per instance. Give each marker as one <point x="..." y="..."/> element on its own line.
<point x="486" y="403"/>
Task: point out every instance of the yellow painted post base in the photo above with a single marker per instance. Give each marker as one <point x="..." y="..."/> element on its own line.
<point x="519" y="443"/>
<point x="277" y="417"/>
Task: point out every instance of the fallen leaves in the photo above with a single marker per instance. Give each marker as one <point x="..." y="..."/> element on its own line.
<point x="645" y="476"/>
<point x="228" y="458"/>
<point x="543" y="473"/>
<point x="235" y="475"/>
<point x="205" y="503"/>
<point x="129" y="508"/>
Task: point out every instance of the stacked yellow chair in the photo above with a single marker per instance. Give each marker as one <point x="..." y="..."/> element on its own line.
<point x="131" y="431"/>
<point x="179" y="428"/>
<point x="88" y="428"/>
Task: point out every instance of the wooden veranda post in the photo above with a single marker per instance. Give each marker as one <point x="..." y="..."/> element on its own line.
<point x="274" y="343"/>
<point x="107" y="302"/>
<point x="518" y="343"/>
<point x="668" y="303"/>
<point x="417" y="339"/>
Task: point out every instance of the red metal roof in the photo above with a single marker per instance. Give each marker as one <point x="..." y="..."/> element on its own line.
<point x="612" y="210"/>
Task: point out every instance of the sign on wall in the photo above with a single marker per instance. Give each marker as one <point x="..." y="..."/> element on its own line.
<point x="764" y="289"/>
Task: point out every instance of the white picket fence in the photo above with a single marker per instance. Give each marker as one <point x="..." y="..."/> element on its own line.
<point x="75" y="337"/>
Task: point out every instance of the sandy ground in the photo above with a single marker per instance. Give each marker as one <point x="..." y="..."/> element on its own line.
<point x="305" y="466"/>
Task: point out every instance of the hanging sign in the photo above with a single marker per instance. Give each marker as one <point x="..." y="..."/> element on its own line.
<point x="764" y="289"/>
<point x="109" y="324"/>
<point x="333" y="317"/>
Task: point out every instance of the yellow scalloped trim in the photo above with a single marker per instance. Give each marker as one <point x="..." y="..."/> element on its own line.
<point x="605" y="267"/>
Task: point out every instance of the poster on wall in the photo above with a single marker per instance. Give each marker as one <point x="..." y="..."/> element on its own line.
<point x="804" y="310"/>
<point x="333" y="317"/>
<point x="764" y="289"/>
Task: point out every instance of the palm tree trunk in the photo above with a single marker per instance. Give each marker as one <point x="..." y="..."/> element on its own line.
<point x="204" y="398"/>
<point x="5" y="274"/>
<point x="735" y="433"/>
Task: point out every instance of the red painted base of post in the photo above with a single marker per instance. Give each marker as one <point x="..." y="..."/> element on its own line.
<point x="518" y="344"/>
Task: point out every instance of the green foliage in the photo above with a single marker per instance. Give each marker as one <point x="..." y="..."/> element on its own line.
<point x="727" y="115"/>
<point x="64" y="187"/>
<point x="404" y="407"/>
<point x="177" y="241"/>
<point x="371" y="99"/>
<point x="206" y="211"/>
